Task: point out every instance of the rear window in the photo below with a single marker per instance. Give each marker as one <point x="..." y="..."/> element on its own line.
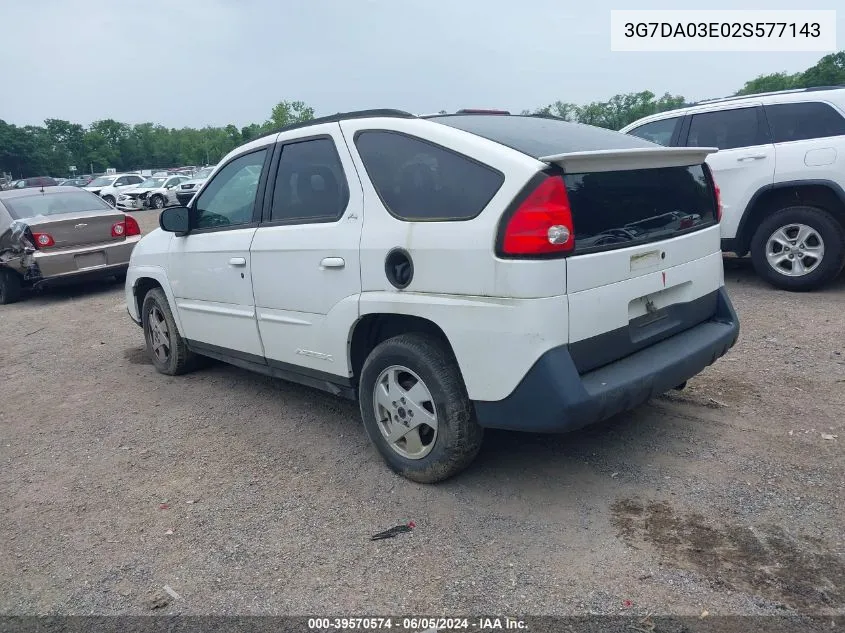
<point x="622" y="208"/>
<point x="538" y="136"/>
<point x="802" y="121"/>
<point x="54" y="204"/>
<point x="420" y="181"/>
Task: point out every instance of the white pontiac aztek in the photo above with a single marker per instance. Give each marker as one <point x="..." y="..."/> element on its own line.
<point x="450" y="272"/>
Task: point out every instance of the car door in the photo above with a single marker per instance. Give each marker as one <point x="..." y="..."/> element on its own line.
<point x="745" y="162"/>
<point x="209" y="268"/>
<point x="305" y="262"/>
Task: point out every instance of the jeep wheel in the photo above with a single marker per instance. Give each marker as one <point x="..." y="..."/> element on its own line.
<point x="109" y="200"/>
<point x="10" y="286"/>
<point x="416" y="410"/>
<point x="798" y="248"/>
<point x="157" y="202"/>
<point x="165" y="347"/>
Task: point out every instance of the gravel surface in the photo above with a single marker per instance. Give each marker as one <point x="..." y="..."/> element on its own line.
<point x="248" y="495"/>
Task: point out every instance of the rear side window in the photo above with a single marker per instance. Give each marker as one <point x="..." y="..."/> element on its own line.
<point x="727" y="129"/>
<point x="802" y="121"/>
<point x="310" y="183"/>
<point x="420" y="181"/>
<point x="616" y="209"/>
<point x="659" y="132"/>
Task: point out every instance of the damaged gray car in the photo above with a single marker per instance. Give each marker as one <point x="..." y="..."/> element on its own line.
<point x="60" y="234"/>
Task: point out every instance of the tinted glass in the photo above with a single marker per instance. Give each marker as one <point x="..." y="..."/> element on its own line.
<point x="801" y="121"/>
<point x="55" y="203"/>
<point x="228" y="200"/>
<point x="726" y="129"/>
<point x="538" y="136"/>
<point x="310" y="183"/>
<point x="659" y="132"/>
<point x="622" y="208"/>
<point x="417" y="180"/>
<point x="102" y="181"/>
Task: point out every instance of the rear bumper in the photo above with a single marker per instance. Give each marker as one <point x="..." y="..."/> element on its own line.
<point x="554" y="397"/>
<point x="89" y="261"/>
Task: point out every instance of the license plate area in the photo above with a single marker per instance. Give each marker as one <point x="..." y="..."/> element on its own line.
<point x="90" y="260"/>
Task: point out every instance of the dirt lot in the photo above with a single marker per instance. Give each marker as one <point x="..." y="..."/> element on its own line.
<point x="249" y="495"/>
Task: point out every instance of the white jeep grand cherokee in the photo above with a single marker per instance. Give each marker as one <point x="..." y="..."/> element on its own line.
<point x="452" y="273"/>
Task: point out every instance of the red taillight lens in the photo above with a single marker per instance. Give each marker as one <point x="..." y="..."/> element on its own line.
<point x="542" y="224"/>
<point x="718" y="202"/>
<point x="132" y="227"/>
<point x="43" y="240"/>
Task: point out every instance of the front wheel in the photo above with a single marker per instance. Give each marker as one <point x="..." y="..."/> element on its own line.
<point x="798" y="248"/>
<point x="416" y="409"/>
<point x="109" y="200"/>
<point x="166" y="348"/>
<point x="157" y="202"/>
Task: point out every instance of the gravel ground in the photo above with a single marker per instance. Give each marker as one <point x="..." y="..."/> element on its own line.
<point x="248" y="495"/>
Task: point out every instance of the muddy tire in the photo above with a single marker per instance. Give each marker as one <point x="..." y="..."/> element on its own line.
<point x="416" y="409"/>
<point x="10" y="286"/>
<point x="165" y="346"/>
<point x="798" y="248"/>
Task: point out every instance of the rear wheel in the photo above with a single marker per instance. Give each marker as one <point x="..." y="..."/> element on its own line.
<point x="109" y="199"/>
<point x="166" y="348"/>
<point x="10" y="286"/>
<point x="798" y="248"/>
<point x="416" y="409"/>
<point x="157" y="202"/>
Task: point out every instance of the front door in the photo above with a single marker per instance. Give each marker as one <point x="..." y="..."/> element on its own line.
<point x="210" y="267"/>
<point x="305" y="265"/>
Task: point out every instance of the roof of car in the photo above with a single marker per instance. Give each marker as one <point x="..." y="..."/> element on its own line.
<point x="834" y="94"/>
<point x="32" y="191"/>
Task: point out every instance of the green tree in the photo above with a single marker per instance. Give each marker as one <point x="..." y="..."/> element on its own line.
<point x="288" y="113"/>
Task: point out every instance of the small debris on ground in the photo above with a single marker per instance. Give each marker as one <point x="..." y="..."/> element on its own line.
<point x="157" y="601"/>
<point x="828" y="436"/>
<point x="171" y="592"/>
<point x="394" y="531"/>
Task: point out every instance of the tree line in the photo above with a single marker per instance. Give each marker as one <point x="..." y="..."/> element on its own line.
<point x="49" y="149"/>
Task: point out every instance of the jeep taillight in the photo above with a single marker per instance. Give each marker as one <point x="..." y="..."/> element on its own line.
<point x="542" y="223"/>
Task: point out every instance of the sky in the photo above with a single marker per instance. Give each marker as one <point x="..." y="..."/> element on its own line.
<point x="214" y="62"/>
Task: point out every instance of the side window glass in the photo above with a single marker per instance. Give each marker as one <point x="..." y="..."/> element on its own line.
<point x="418" y="180"/>
<point x="659" y="132"/>
<point x="802" y="121"/>
<point x="726" y="129"/>
<point x="120" y="181"/>
<point x="136" y="180"/>
<point x="228" y="200"/>
<point x="310" y="183"/>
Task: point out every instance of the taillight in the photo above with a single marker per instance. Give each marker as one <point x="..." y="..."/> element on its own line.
<point x="118" y="229"/>
<point x="43" y="240"/>
<point x="542" y="223"/>
<point x="132" y="227"/>
<point x="718" y="202"/>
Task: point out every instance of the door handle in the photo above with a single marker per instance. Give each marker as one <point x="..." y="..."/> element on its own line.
<point x="237" y="261"/>
<point x="332" y="262"/>
<point x="751" y="157"/>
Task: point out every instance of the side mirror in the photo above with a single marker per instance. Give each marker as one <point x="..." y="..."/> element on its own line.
<point x="175" y="220"/>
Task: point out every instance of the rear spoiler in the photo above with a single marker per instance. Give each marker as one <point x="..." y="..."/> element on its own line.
<point x="626" y="159"/>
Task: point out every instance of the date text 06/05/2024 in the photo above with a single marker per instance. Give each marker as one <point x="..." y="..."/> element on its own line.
<point x="417" y="624"/>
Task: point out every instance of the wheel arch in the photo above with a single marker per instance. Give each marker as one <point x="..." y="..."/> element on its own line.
<point x="824" y="194"/>
<point x="373" y="328"/>
<point x="144" y="279"/>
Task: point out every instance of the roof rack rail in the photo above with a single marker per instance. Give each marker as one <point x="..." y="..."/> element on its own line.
<point x="769" y="93"/>
<point x="343" y="116"/>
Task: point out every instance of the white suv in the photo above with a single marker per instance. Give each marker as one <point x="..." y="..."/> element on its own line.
<point x="450" y="272"/>
<point x="781" y="172"/>
<point x="109" y="187"/>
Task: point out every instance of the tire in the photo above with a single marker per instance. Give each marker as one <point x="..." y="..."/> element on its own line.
<point x="10" y="287"/>
<point x="822" y="248"/>
<point x="109" y="200"/>
<point x="412" y="359"/>
<point x="157" y="202"/>
<point x="176" y="358"/>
